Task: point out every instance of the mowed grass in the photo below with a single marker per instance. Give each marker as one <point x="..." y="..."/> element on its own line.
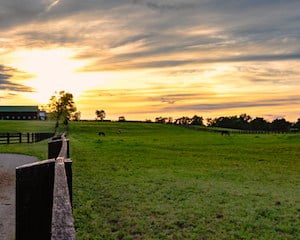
<point x="156" y="181"/>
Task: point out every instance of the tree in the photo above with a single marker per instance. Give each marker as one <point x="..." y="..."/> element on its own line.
<point x="281" y="125"/>
<point x="100" y="114"/>
<point x="197" y="120"/>
<point x="259" y="124"/>
<point x="297" y="124"/>
<point x="161" y="120"/>
<point x="183" y="121"/>
<point x="76" y="116"/>
<point x="61" y="107"/>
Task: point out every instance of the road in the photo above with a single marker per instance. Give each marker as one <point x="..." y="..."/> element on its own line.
<point x="8" y="164"/>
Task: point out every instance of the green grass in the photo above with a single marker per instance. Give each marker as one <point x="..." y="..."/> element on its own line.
<point x="39" y="149"/>
<point x="157" y="181"/>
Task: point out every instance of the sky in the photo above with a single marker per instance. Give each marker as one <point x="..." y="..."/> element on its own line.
<point x="147" y="58"/>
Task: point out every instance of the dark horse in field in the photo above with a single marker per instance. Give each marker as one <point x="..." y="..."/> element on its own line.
<point x="101" y="133"/>
<point x="225" y="132"/>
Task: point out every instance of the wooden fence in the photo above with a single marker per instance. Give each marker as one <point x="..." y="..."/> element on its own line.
<point x="44" y="196"/>
<point x="207" y="129"/>
<point x="9" y="138"/>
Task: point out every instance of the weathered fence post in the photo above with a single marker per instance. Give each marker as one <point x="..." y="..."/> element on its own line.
<point x="34" y="191"/>
<point x="7" y="138"/>
<point x="44" y="195"/>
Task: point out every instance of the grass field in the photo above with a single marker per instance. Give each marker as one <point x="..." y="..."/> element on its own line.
<point x="157" y="181"/>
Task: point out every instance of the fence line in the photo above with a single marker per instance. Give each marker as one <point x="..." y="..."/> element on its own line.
<point x="62" y="219"/>
<point x="10" y="138"/>
<point x="207" y="129"/>
<point x="44" y="196"/>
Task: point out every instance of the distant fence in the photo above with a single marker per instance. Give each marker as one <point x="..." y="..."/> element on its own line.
<point x="9" y="138"/>
<point x="44" y="196"/>
<point x="207" y="129"/>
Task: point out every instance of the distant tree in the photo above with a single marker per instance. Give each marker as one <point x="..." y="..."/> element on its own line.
<point x="100" y="115"/>
<point x="281" y="125"/>
<point x="197" y="120"/>
<point x="209" y="122"/>
<point x="161" y="120"/>
<point x="169" y="120"/>
<point x="235" y="122"/>
<point x="148" y="121"/>
<point x="122" y="119"/>
<point x="183" y="121"/>
<point x="243" y="121"/>
<point x="297" y="124"/>
<point x="76" y="116"/>
<point x="259" y="124"/>
<point x="61" y="107"/>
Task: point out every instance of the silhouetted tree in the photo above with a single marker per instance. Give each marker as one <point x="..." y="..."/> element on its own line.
<point x="100" y="114"/>
<point x="281" y="125"/>
<point x="196" y="120"/>
<point x="209" y="122"/>
<point x="161" y="120"/>
<point x="297" y="124"/>
<point x="170" y="120"/>
<point x="183" y="121"/>
<point x="259" y="124"/>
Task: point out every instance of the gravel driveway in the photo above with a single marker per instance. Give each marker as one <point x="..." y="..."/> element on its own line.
<point x="8" y="164"/>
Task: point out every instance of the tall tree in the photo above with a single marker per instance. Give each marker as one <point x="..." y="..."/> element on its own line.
<point x="61" y="107"/>
<point x="100" y="114"/>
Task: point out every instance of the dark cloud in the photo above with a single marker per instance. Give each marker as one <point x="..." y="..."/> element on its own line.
<point x="232" y="105"/>
<point x="6" y="80"/>
<point x="167" y="100"/>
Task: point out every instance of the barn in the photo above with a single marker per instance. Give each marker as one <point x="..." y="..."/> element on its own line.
<point x="19" y="112"/>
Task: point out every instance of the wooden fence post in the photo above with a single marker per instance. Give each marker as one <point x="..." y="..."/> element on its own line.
<point x="7" y="136"/>
<point x="34" y="200"/>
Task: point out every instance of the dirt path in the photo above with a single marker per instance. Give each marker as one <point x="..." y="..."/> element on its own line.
<point x="8" y="164"/>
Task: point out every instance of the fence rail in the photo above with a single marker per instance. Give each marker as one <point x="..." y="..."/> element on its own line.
<point x="44" y="196"/>
<point x="207" y="129"/>
<point x="10" y="138"/>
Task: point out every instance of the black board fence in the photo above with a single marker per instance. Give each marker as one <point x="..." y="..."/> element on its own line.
<point x="44" y="196"/>
<point x="9" y="138"/>
<point x="208" y="129"/>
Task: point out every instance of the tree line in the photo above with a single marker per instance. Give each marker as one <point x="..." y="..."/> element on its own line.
<point x="241" y="122"/>
<point x="62" y="107"/>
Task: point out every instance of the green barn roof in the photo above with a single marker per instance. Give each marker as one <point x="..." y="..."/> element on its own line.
<point x="19" y="108"/>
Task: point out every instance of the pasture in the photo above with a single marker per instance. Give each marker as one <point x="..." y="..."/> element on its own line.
<point x="153" y="181"/>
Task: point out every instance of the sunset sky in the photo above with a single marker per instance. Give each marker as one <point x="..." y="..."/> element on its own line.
<point x="148" y="58"/>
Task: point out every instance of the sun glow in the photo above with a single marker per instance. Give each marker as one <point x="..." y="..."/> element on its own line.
<point x="54" y="71"/>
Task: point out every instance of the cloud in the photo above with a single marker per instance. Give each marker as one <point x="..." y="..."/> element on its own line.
<point x="51" y="5"/>
<point x="113" y="64"/>
<point x="7" y="75"/>
<point x="232" y="105"/>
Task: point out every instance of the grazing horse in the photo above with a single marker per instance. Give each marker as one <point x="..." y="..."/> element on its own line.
<point x="101" y="133"/>
<point x="225" y="132"/>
